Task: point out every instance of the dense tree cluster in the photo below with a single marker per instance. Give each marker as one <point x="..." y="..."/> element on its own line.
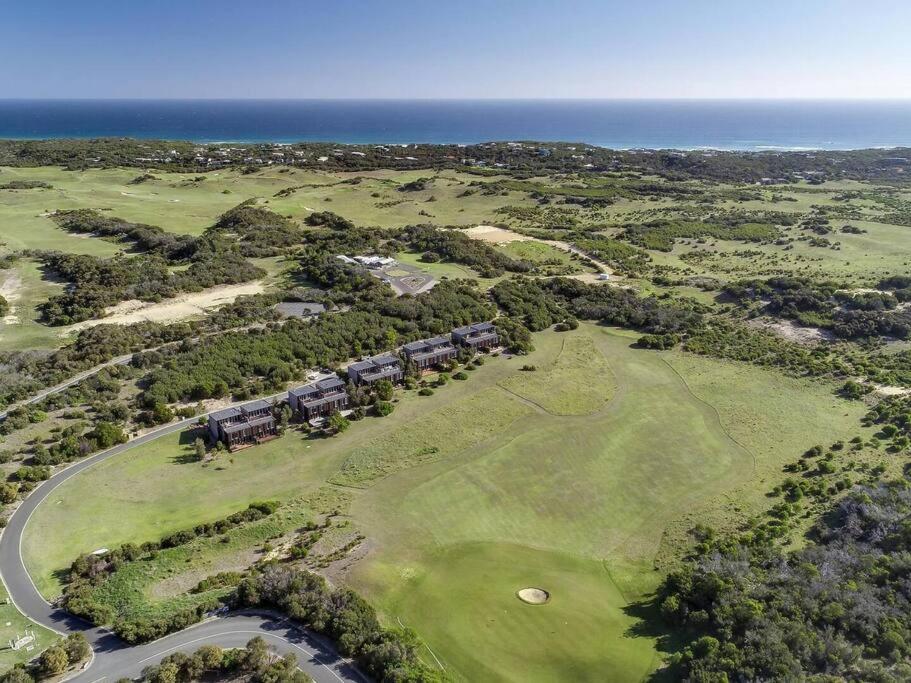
<point x="97" y="283"/>
<point x="344" y="616"/>
<point x="457" y="247"/>
<point x="540" y="304"/>
<point x="150" y="238"/>
<point x="256" y="230"/>
<point x="26" y="185"/>
<point x="660" y="234"/>
<point x="261" y="360"/>
<point x="254" y="663"/>
<point x="613" y="252"/>
<point x="328" y="219"/>
<point x="838" y="609"/>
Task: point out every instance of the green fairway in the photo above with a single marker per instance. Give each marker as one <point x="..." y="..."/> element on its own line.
<point x="476" y="492"/>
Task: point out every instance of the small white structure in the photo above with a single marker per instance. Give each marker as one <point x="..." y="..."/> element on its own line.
<point x="374" y="261"/>
<point x="27" y="641"/>
<point x="604" y="276"/>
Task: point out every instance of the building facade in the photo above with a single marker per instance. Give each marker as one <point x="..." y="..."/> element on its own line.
<point x="241" y="426"/>
<point x="427" y="353"/>
<point x="385" y="366"/>
<point x="478" y="336"/>
<point x="318" y="399"/>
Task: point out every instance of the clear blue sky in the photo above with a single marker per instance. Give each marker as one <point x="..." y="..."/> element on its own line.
<point x="459" y="48"/>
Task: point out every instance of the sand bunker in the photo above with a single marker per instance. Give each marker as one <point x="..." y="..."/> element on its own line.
<point x="533" y="596"/>
<point x="495" y="235"/>
<point x="178" y="308"/>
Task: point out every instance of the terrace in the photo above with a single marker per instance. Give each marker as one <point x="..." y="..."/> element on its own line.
<point x="477" y="336"/>
<point x="384" y="366"/>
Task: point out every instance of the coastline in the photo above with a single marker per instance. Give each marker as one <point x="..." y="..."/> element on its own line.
<point x="684" y="125"/>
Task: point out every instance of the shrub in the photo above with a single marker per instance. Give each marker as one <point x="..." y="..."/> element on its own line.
<point x="383" y="408"/>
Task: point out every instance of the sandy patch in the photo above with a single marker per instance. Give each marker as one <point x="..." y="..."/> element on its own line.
<point x="178" y="308"/>
<point x="533" y="596"/>
<point x="11" y="289"/>
<point x="495" y="235"/>
<point x="889" y="390"/>
<point x="791" y="331"/>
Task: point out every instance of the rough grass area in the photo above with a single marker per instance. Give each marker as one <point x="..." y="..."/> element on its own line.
<point x="434" y="436"/>
<point x="578" y="382"/>
<point x="160" y="585"/>
<point x="157" y="489"/>
<point x="537" y="252"/>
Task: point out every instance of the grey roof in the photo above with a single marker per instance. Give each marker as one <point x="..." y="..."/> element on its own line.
<point x="474" y="329"/>
<point x="385" y="358"/>
<point x="361" y="365"/>
<point x="261" y="404"/>
<point x="438" y="341"/>
<point x="304" y="390"/>
<point x="415" y="345"/>
<point x="225" y="414"/>
<point x="330" y="383"/>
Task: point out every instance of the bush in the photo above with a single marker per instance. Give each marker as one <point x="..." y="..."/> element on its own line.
<point x="33" y="473"/>
<point x="383" y="408"/>
<point x="460" y="376"/>
<point x="426" y="391"/>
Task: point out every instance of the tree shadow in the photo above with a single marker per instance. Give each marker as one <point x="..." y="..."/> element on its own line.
<point x="650" y="624"/>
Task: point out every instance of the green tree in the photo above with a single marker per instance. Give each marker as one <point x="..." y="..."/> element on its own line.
<point x="210" y="656"/>
<point x="8" y="492"/>
<point x="53" y="661"/>
<point x="384" y="390"/>
<point x="338" y="423"/>
<point x="77" y="647"/>
<point x="200" y="447"/>
<point x="391" y="337"/>
<point x="106" y="435"/>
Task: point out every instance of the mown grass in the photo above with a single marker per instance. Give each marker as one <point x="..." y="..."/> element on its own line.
<point x="579" y="381"/>
<point x="13" y="624"/>
<point x="436" y="435"/>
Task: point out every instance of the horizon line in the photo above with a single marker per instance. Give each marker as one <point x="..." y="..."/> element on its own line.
<point x="456" y="99"/>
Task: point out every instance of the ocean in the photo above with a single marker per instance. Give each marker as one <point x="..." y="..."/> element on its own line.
<point x="617" y="124"/>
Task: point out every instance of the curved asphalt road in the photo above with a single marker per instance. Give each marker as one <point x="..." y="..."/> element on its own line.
<point x="75" y="379"/>
<point x="114" y="658"/>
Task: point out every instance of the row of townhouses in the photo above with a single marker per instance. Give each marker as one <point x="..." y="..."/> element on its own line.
<point x="244" y="425"/>
<point x="254" y="422"/>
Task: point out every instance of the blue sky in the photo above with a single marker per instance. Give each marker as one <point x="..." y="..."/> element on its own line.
<point x="463" y="49"/>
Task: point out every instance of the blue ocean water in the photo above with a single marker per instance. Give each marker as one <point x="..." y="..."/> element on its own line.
<point x="619" y="124"/>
